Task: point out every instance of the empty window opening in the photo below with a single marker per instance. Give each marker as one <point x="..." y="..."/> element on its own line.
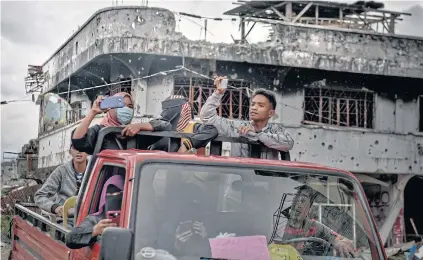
<point x="340" y="107"/>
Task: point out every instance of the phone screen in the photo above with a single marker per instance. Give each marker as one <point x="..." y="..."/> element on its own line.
<point x="224" y="83"/>
<point x="114" y="216"/>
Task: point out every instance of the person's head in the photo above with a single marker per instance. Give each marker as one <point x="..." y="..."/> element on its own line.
<point x="302" y="202"/>
<point x="178" y="111"/>
<point x="77" y="156"/>
<point x="120" y="116"/>
<point x="262" y="106"/>
<point x="111" y="195"/>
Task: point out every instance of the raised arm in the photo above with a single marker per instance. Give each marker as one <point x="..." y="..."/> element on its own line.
<point x="275" y="137"/>
<point x="155" y="125"/>
<point x="83" y="127"/>
<point x="209" y="116"/>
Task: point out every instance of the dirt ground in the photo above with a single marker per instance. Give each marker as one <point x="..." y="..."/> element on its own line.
<point x="5" y="251"/>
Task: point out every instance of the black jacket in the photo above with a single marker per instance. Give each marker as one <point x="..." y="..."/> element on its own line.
<point x="87" y="143"/>
<point x="81" y="236"/>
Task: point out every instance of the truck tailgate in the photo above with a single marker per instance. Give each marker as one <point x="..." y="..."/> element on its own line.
<point x="29" y="242"/>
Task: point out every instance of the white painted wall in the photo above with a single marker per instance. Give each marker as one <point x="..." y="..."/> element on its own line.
<point x="396" y="116"/>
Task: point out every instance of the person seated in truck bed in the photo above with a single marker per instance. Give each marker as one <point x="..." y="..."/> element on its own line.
<point x="87" y="232"/>
<point x="63" y="183"/>
<point x="176" y="115"/>
<point x="84" y="137"/>
<point x="178" y="111"/>
<point x="263" y="104"/>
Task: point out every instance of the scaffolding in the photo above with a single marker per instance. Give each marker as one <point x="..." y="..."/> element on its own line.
<point x="35" y="79"/>
<point x="361" y="15"/>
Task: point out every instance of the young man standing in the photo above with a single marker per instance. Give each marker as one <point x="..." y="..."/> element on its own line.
<point x="262" y="108"/>
<point x="62" y="183"/>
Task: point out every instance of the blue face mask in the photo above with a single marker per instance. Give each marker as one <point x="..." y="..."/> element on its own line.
<point x="124" y="115"/>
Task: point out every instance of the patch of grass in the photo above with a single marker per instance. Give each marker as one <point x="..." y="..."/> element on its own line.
<point x="5" y="222"/>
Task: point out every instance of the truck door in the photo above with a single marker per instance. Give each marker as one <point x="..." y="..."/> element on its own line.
<point x="91" y="200"/>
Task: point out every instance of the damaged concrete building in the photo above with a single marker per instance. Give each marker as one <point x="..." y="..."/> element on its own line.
<point x="348" y="88"/>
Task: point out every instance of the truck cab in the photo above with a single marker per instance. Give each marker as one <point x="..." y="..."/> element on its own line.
<point x="187" y="206"/>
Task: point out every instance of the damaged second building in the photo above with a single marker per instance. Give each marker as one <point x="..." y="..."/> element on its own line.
<point x="349" y="96"/>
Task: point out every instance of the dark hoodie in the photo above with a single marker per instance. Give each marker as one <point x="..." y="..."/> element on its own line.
<point x="178" y="111"/>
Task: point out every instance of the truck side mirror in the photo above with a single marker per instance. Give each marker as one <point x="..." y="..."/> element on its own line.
<point x="116" y="243"/>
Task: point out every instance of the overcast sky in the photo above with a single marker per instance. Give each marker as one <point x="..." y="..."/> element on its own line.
<point x="32" y="31"/>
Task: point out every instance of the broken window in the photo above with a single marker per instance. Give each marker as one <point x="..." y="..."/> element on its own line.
<point x="235" y="103"/>
<point x="75" y="114"/>
<point x="125" y="86"/>
<point x="340" y="107"/>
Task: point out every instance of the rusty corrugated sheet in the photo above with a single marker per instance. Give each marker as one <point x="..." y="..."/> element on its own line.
<point x="23" y="194"/>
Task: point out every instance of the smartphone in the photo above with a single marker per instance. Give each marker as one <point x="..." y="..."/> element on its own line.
<point x="224" y="83"/>
<point x="112" y="102"/>
<point x="114" y="216"/>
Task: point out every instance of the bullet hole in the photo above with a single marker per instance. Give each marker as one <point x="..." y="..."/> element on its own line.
<point x="330" y="147"/>
<point x="410" y="168"/>
<point x="352" y="158"/>
<point x="323" y="144"/>
<point x="340" y="161"/>
<point x="371" y="145"/>
<point x="315" y="136"/>
<point x="299" y="133"/>
<point x="406" y="158"/>
<point x="415" y="162"/>
<point x="357" y="165"/>
<point x="311" y="138"/>
<point x="376" y="142"/>
<point x="386" y="150"/>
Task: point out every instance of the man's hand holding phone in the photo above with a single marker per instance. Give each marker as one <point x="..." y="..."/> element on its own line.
<point x="221" y="84"/>
<point x="99" y="228"/>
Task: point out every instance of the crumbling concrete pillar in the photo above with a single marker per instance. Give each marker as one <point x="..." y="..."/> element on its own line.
<point x="397" y="206"/>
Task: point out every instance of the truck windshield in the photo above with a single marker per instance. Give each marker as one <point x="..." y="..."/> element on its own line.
<point x="191" y="211"/>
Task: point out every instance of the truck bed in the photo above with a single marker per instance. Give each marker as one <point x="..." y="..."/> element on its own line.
<point x="36" y="237"/>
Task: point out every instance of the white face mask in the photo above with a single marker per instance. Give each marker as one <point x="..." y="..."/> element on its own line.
<point x="124" y="115"/>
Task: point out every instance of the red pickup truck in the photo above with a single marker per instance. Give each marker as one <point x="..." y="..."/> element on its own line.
<point x="239" y="198"/>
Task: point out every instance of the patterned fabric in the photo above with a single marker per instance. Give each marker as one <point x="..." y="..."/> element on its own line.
<point x="185" y="112"/>
<point x="184" y="118"/>
<point x="273" y="136"/>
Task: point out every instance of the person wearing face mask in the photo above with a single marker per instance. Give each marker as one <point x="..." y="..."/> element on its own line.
<point x="92" y="227"/>
<point x="178" y="112"/>
<point x="84" y="137"/>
